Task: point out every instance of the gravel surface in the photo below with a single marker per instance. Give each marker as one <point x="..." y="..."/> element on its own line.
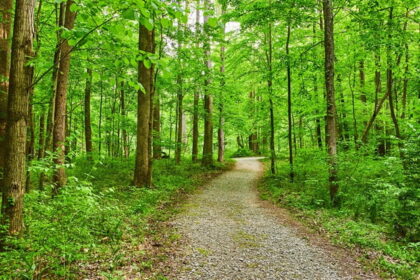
<point x="229" y="235"/>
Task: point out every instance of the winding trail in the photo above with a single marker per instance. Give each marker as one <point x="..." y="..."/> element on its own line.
<point x="230" y="235"/>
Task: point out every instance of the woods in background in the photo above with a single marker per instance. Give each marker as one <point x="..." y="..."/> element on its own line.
<point x="191" y="79"/>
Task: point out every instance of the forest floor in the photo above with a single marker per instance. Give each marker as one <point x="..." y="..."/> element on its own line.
<point x="226" y="232"/>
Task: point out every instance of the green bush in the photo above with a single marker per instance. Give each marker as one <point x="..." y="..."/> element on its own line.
<point x="93" y="215"/>
<point x="243" y="153"/>
<point x="379" y="200"/>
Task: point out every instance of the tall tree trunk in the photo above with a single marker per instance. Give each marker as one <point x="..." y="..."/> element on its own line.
<point x="221" y="132"/>
<point x="59" y="131"/>
<point x="17" y="116"/>
<point x="5" y="26"/>
<point x="88" y="126"/>
<point x="124" y="122"/>
<point x="389" y="87"/>
<point x="195" y="131"/>
<point x="330" y="94"/>
<point x="180" y="97"/>
<point x="41" y="136"/>
<point x="318" y="130"/>
<point x="362" y="81"/>
<point x="145" y="77"/>
<point x="270" y="97"/>
<point x="60" y="12"/>
<point x="289" y="103"/>
<point x="157" y="143"/>
<point x="100" y="115"/>
<point x="405" y="83"/>
<point x="208" y="99"/>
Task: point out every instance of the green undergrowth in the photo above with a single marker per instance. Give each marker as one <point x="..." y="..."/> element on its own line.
<point x="95" y="219"/>
<point x="378" y="214"/>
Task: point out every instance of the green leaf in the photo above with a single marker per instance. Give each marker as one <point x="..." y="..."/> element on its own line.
<point x="147" y="22"/>
<point x="129" y="14"/>
<point x="213" y="22"/>
<point x="147" y="63"/>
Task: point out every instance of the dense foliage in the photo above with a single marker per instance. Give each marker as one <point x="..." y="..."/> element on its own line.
<point x="106" y="108"/>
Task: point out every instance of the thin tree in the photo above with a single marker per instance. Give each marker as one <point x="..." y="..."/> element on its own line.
<point x="208" y="99"/>
<point x="88" y="126"/>
<point x="180" y="97"/>
<point x="269" y="55"/>
<point x="59" y="130"/>
<point x="221" y="132"/>
<point x="289" y="102"/>
<point x="195" y="132"/>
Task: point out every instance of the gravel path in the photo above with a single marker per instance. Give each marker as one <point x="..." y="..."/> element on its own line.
<point x="231" y="236"/>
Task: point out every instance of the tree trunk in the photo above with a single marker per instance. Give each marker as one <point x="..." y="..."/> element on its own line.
<point x="405" y="83"/>
<point x="389" y="87"/>
<point x="17" y="116"/>
<point x="145" y="77"/>
<point x="289" y="104"/>
<point x="208" y="101"/>
<point x="196" y="94"/>
<point x="330" y="94"/>
<point x="59" y="131"/>
<point x="5" y="26"/>
<point x="41" y="136"/>
<point x="124" y="122"/>
<point x="88" y="126"/>
<point x="221" y="132"/>
<point x="362" y="81"/>
<point x="270" y="96"/>
<point x="180" y="97"/>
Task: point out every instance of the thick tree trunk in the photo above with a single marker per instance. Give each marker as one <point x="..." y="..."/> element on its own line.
<point x="59" y="131"/>
<point x="17" y="116"/>
<point x="5" y="26"/>
<point x="88" y="126"/>
<point x="195" y="131"/>
<point x="330" y="94"/>
<point x="142" y="165"/>
<point x="208" y="102"/>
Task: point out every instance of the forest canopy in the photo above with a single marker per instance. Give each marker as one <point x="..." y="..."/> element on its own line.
<point x="107" y="101"/>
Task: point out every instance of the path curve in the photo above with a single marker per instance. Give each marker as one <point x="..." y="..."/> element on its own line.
<point x="231" y="236"/>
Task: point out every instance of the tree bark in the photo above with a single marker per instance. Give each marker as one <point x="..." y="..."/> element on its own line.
<point x="389" y="87"/>
<point x="221" y="132"/>
<point x="5" y="28"/>
<point x="208" y="101"/>
<point x="270" y="97"/>
<point x="289" y="103"/>
<point x="362" y="81"/>
<point x="330" y="94"/>
<point x="41" y="136"/>
<point x="145" y="77"/>
<point x="88" y="126"/>
<point x="59" y="130"/>
<point x="17" y="117"/>
<point x="196" y="94"/>
<point x="180" y="98"/>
